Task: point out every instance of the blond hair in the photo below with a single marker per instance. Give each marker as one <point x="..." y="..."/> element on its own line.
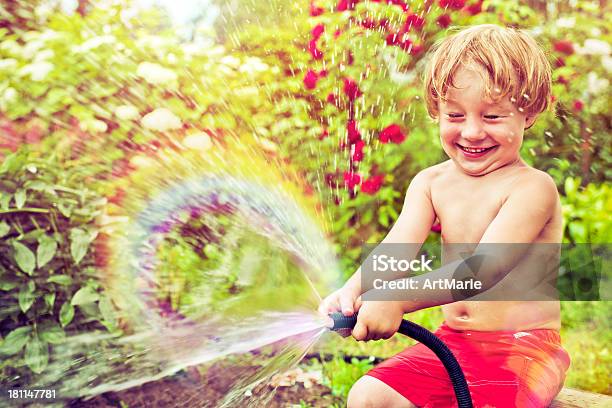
<point x="510" y="61"/>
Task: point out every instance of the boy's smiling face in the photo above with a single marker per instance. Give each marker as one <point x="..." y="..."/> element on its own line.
<point x="478" y="134"/>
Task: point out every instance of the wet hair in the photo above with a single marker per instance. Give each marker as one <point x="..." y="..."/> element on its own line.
<point x="509" y="60"/>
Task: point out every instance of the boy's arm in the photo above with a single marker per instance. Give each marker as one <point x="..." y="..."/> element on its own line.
<point x="520" y="220"/>
<point x="413" y="223"/>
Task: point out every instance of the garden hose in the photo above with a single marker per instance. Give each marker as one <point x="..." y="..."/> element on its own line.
<point x="430" y="340"/>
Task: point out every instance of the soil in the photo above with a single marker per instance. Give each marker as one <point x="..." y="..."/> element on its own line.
<point x="190" y="389"/>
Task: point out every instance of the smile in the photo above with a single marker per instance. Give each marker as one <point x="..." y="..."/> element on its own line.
<point x="475" y="150"/>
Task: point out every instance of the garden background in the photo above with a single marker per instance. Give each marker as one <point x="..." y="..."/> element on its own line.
<point x="94" y="94"/>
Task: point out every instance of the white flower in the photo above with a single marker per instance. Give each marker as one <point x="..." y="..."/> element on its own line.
<point x="253" y="65"/>
<point x="126" y="112"/>
<point x="593" y="46"/>
<point x="161" y="119"/>
<point x="44" y="55"/>
<point x="8" y="64"/>
<point x="155" y="74"/>
<point x="94" y="126"/>
<point x="198" y="141"/>
<point x="596" y="85"/>
<point x="268" y="145"/>
<point x="38" y="71"/>
<point x="95" y="42"/>
<point x="142" y="161"/>
<point x="230" y="61"/>
<point x="606" y="61"/>
<point x="566" y="22"/>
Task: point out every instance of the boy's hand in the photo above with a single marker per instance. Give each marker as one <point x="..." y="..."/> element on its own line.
<point x="345" y="300"/>
<point x="378" y="320"/>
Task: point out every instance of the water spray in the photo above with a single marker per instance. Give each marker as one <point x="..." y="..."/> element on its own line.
<point x="422" y="335"/>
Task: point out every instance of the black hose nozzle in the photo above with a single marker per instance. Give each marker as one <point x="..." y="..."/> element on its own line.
<point x="342" y="322"/>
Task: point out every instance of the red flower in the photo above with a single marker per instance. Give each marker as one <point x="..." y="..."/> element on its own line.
<point x="351" y="180"/>
<point x="324" y="134"/>
<point x="351" y="89"/>
<point x="392" y="133"/>
<point x="317" y="31"/>
<point x="314" y="51"/>
<point x="393" y="39"/>
<point x="352" y="132"/>
<point x="322" y="73"/>
<point x="406" y="45"/>
<point x="337" y="33"/>
<point x="330" y="179"/>
<point x="369" y="24"/>
<point x="344" y="5"/>
<point x="454" y="4"/>
<point x="332" y="98"/>
<point x="564" y="46"/>
<point x="415" y="21"/>
<point x="578" y="105"/>
<point x="444" y="20"/>
<point x="358" y="153"/>
<point x="316" y="11"/>
<point x="372" y="184"/>
<point x="310" y="80"/>
<point x="562" y="80"/>
<point x="559" y="62"/>
<point x="475" y="8"/>
<point x="350" y="59"/>
<point x="416" y="49"/>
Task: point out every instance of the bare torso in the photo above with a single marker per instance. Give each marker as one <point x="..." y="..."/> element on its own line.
<point x="465" y="206"/>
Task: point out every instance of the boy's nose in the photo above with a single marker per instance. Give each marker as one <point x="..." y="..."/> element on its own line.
<point x="473" y="130"/>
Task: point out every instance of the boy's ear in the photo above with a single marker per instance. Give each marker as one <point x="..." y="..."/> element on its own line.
<point x="530" y="120"/>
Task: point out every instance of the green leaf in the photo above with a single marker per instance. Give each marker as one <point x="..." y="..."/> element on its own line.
<point x="46" y="250"/>
<point x="66" y="314"/>
<point x="79" y="243"/>
<point x="107" y="310"/>
<point x="53" y="335"/>
<point x="15" y="340"/>
<point x="4" y="229"/>
<point x="84" y="295"/>
<point x="24" y="257"/>
<point x="26" y="296"/>
<point x="60" y="279"/>
<point x="20" y="198"/>
<point x="50" y="299"/>
<point x="36" y="355"/>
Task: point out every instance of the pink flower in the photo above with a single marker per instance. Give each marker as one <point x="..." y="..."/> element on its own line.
<point x="310" y="80"/>
<point x="454" y="4"/>
<point x="475" y="8"/>
<point x="372" y="184"/>
<point x="416" y="49"/>
<point x="415" y="21"/>
<point x="314" y="51"/>
<point x="352" y="132"/>
<point x="351" y="180"/>
<point x="564" y="47"/>
<point x="315" y="11"/>
<point x="358" y="153"/>
<point x="578" y="105"/>
<point x="317" y="31"/>
<point x="444" y="20"/>
<point x="392" y="133"/>
<point x="351" y="89"/>
<point x="393" y="39"/>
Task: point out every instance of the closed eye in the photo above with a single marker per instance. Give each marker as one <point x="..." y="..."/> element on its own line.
<point x="454" y="115"/>
<point x="492" y="117"/>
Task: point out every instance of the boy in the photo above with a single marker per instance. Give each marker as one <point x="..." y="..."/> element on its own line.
<point x="485" y="85"/>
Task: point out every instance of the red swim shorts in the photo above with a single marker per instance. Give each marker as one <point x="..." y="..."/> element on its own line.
<point x="502" y="369"/>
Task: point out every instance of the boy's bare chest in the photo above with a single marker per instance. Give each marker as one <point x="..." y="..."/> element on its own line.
<point x="466" y="209"/>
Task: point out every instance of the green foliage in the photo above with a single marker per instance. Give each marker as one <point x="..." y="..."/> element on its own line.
<point x="47" y="275"/>
<point x="586" y="212"/>
<point x="340" y="375"/>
